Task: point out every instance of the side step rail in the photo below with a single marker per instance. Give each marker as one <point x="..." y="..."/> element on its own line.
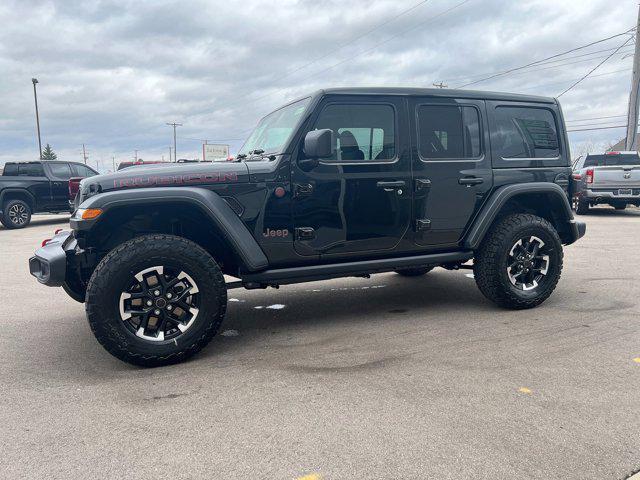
<point x="312" y="273"/>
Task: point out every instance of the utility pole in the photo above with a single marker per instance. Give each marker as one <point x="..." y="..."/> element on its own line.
<point x="113" y="158"/>
<point x="170" y="154"/>
<point x="35" y="98"/>
<point x="135" y="156"/>
<point x="632" y="118"/>
<point x="175" y="150"/>
<point x="84" y="154"/>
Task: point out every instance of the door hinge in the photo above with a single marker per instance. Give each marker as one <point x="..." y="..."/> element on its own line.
<point x="422" y="184"/>
<point x="305" y="233"/>
<point x="423" y="224"/>
<point x="300" y="189"/>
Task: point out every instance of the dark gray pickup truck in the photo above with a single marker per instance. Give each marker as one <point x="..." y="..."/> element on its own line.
<point x="612" y="178"/>
<point x="36" y="187"/>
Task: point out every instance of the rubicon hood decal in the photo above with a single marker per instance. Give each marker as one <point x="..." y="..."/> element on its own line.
<point x="172" y="175"/>
<point x="186" y="179"/>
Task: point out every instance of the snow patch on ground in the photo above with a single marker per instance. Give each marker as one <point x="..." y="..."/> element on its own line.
<point x="230" y="333"/>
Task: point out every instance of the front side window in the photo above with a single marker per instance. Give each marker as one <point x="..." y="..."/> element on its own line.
<point x="30" y="170"/>
<point x="363" y="132"/>
<point x="448" y="132"/>
<point x="60" y="170"/>
<point x="274" y="130"/>
<point x="523" y="132"/>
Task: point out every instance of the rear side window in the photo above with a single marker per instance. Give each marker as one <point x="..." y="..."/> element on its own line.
<point x="448" y="132"/>
<point x="525" y="132"/>
<point x="364" y="132"/>
<point x="10" y="170"/>
<point x="30" y="170"/>
<point x="60" y="170"/>
<point x="81" y="171"/>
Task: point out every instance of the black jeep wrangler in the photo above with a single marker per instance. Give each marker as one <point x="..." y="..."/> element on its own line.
<point x="344" y="182"/>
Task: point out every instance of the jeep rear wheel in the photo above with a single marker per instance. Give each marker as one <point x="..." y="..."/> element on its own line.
<point x="519" y="262"/>
<point x="156" y="300"/>
<point x="414" y="272"/>
<point x="16" y="214"/>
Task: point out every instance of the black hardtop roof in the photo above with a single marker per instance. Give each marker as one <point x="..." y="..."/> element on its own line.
<point x="436" y="92"/>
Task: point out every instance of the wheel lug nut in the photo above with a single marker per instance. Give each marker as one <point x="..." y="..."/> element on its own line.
<point x="157" y="312"/>
<point x="156" y="293"/>
<point x="168" y="307"/>
<point x="169" y="295"/>
<point x="149" y="303"/>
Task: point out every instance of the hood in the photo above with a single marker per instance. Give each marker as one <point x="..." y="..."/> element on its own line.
<point x="168" y="175"/>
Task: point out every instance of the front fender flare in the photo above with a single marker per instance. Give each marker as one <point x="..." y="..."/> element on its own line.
<point x="210" y="203"/>
<point x="502" y="195"/>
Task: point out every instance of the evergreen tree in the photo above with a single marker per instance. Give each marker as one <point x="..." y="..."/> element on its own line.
<point x="48" y="153"/>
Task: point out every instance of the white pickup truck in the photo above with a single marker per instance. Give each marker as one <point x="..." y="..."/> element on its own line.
<point x="611" y="178"/>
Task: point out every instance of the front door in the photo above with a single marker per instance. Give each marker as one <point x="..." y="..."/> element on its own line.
<point x="359" y="200"/>
<point x="452" y="167"/>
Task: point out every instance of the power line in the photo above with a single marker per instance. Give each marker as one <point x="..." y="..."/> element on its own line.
<point x="594" y="118"/>
<point x="569" y="57"/>
<point x="393" y="37"/>
<point x="353" y="40"/>
<point x="596" y="67"/>
<point x="599" y="128"/>
<point x="563" y="83"/>
<point x="505" y="72"/>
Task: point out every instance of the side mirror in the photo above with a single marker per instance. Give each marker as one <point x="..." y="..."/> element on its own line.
<point x="319" y="144"/>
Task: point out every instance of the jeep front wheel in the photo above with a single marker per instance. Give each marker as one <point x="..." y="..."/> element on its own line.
<point x="156" y="300"/>
<point x="519" y="262"/>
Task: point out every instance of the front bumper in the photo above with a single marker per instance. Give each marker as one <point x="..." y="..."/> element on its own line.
<point x="49" y="264"/>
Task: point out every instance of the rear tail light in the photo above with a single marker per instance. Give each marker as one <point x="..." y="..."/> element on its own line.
<point x="590" y="175"/>
<point x="577" y="176"/>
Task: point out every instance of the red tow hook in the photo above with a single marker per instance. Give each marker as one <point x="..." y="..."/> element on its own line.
<point x="58" y="231"/>
<point x="45" y="241"/>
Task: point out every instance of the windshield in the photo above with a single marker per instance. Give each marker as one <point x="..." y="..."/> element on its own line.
<point x="274" y="130"/>
<point x="611" y="160"/>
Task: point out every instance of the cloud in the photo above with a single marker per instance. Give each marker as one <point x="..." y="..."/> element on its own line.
<point x="112" y="73"/>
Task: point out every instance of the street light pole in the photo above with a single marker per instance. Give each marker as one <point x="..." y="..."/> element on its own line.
<point x="35" y="97"/>
<point x="174" y="125"/>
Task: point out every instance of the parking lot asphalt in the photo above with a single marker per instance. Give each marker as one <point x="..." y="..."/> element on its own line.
<point x="386" y="378"/>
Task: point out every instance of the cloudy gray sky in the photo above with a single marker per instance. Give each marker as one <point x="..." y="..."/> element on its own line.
<point x="113" y="72"/>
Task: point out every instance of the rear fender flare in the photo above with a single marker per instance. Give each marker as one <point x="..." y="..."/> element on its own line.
<point x="502" y="195"/>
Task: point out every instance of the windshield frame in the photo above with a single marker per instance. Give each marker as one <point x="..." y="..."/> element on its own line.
<point x="285" y="144"/>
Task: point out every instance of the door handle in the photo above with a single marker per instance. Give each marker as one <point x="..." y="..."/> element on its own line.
<point x="391" y="185"/>
<point x="468" y="181"/>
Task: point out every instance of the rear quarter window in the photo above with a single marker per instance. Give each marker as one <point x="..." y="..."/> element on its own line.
<point x="526" y="136"/>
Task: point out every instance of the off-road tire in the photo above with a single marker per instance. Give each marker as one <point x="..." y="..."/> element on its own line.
<point x="414" y="272"/>
<point x="490" y="263"/>
<point x="117" y="268"/>
<point x="5" y="219"/>
<point x="582" y="207"/>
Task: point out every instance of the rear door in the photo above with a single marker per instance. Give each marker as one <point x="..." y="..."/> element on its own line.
<point x="360" y="199"/>
<point x="60" y="174"/>
<point x="452" y="167"/>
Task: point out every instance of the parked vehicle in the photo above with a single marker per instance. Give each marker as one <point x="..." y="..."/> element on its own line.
<point x="36" y="187"/>
<point x="344" y="182"/>
<point x="612" y="178"/>
<point x="124" y="165"/>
